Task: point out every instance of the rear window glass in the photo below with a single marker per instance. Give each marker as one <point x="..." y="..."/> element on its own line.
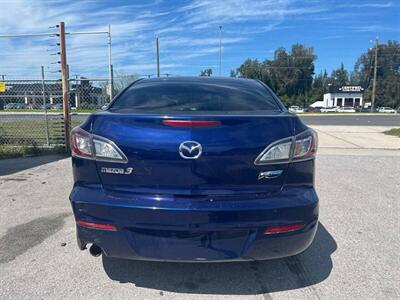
<point x="195" y="97"/>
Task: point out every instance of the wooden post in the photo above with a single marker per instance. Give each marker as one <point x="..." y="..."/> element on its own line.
<point x="64" y="77"/>
<point x="375" y="72"/>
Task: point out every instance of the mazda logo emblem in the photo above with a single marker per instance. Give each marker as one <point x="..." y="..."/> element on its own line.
<point x="190" y="150"/>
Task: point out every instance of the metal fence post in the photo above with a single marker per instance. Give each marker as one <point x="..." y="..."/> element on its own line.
<point x="112" y="83"/>
<point x="45" y="108"/>
<point x="110" y="67"/>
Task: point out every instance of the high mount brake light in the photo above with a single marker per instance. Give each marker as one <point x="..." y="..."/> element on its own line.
<point x="300" y="147"/>
<point x="86" y="145"/>
<point x="191" y="123"/>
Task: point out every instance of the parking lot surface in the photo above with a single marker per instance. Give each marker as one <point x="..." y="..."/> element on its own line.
<point x="356" y="138"/>
<point x="354" y="255"/>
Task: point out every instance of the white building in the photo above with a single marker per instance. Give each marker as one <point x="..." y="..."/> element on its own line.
<point x="343" y="96"/>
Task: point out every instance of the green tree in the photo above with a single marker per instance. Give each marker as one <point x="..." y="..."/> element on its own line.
<point x="388" y="73"/>
<point x="249" y="69"/>
<point x="206" y="72"/>
<point x="340" y="77"/>
<point x="289" y="73"/>
<point x="320" y="86"/>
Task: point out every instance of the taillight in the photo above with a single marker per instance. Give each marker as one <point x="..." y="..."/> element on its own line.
<point x="81" y="143"/>
<point x="300" y="147"/>
<point x="108" y="227"/>
<point x="86" y="145"/>
<point x="277" y="152"/>
<point x="105" y="149"/>
<point x="306" y="144"/>
<point x="282" y="229"/>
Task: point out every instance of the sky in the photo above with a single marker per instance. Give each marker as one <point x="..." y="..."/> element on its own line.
<point x="188" y="32"/>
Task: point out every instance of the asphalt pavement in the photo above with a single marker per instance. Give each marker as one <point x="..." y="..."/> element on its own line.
<point x="352" y="119"/>
<point x="354" y="255"/>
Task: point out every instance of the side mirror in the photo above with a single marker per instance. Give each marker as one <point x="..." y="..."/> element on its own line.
<point x="104" y="107"/>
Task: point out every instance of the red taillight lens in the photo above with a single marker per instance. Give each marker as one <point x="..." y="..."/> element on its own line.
<point x="81" y="145"/>
<point x="305" y="145"/>
<point x="191" y="123"/>
<point x="282" y="229"/>
<point x="100" y="226"/>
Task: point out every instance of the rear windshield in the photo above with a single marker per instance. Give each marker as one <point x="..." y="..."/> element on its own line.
<point x="195" y="97"/>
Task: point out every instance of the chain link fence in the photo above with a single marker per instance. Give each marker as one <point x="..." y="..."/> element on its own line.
<point x="31" y="111"/>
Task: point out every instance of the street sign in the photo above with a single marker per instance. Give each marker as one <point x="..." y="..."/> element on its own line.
<point x="2" y="87"/>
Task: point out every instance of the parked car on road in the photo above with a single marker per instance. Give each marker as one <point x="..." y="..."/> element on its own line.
<point x="10" y="106"/>
<point x="329" y="109"/>
<point x="33" y="106"/>
<point x="313" y="109"/>
<point x="48" y="106"/>
<point x="296" y="109"/>
<point x="194" y="169"/>
<point x="366" y="109"/>
<point x="387" y="110"/>
<point x="14" y="106"/>
<point x="57" y="106"/>
<point x="345" y="109"/>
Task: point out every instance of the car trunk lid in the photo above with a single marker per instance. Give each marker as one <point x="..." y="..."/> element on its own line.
<point x="229" y="145"/>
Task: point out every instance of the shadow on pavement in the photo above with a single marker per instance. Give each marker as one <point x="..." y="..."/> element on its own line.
<point x="22" y="237"/>
<point x="241" y="278"/>
<point x="13" y="165"/>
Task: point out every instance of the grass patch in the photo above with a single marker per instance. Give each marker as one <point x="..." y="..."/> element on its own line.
<point x="27" y="136"/>
<point x="393" y="131"/>
<point x="32" y="132"/>
<point x="7" y="151"/>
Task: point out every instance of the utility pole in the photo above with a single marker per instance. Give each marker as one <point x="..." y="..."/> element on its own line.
<point x="220" y="48"/>
<point x="158" y="57"/>
<point x="2" y="76"/>
<point x="64" y="78"/>
<point x="375" y="71"/>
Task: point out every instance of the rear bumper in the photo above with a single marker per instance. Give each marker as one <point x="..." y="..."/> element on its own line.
<point x="193" y="230"/>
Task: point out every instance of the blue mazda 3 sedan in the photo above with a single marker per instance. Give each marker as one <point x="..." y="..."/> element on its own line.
<point x="194" y="169"/>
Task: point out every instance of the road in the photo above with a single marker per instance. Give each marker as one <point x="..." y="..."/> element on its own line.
<point x="352" y="120"/>
<point x="354" y="255"/>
